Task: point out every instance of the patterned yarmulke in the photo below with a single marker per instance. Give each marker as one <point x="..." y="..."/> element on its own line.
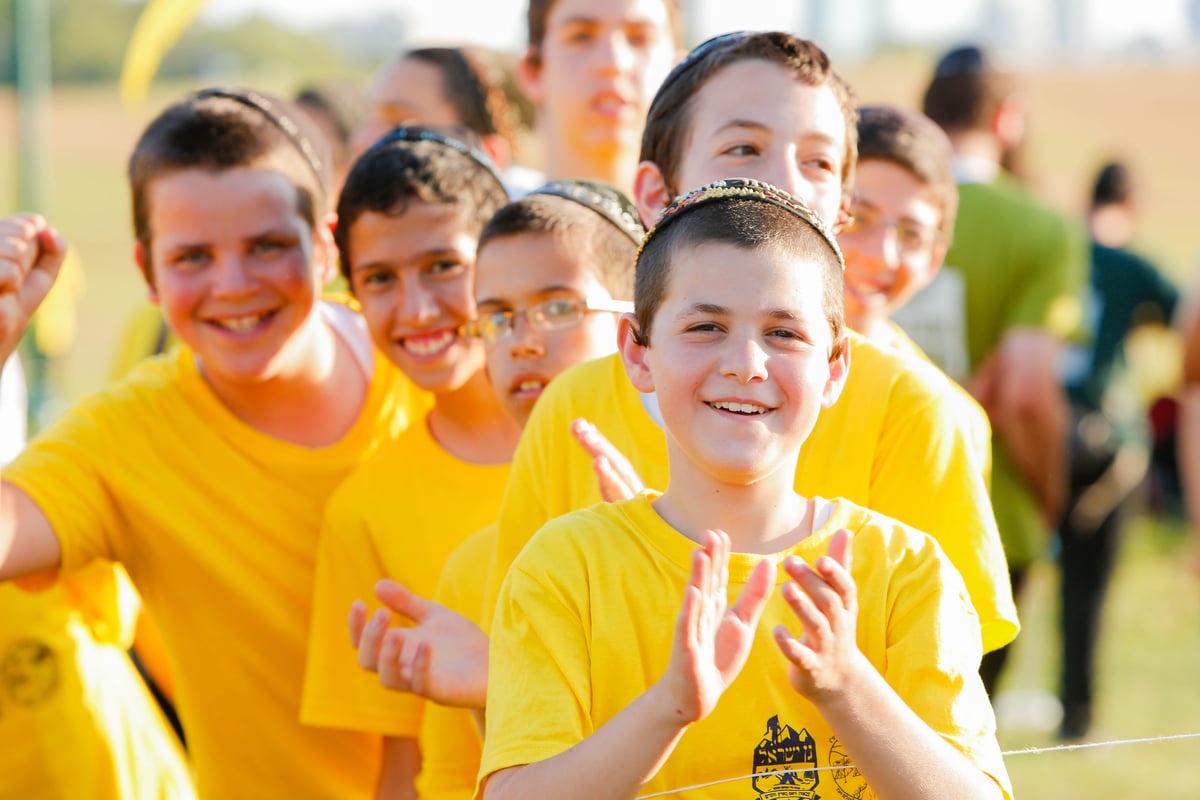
<point x="605" y="199"/>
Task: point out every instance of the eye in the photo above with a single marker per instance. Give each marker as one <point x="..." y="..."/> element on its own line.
<point x="703" y="327"/>
<point x="743" y="149"/>
<point x="265" y="247"/>
<point x="823" y="163"/>
<point x="376" y="279"/>
<point x="445" y="268"/>
<point x="191" y="259"/>
<point x="559" y="307"/>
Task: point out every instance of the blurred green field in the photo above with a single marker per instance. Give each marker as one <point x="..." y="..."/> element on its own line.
<point x="1149" y="115"/>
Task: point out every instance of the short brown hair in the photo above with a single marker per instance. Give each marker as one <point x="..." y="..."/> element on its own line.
<point x="668" y="121"/>
<point x="539" y="12"/>
<point x="966" y="89"/>
<point x="914" y="142"/>
<point x="223" y="129"/>
<point x="402" y="168"/>
<point x="473" y="87"/>
<point x="745" y="223"/>
<point x="607" y="251"/>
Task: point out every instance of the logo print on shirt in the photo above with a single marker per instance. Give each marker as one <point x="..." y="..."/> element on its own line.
<point x="29" y="672"/>
<point x="850" y="782"/>
<point x="783" y="748"/>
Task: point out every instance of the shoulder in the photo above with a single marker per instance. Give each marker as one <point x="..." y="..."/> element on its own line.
<point x="589" y="536"/>
<point x="888" y="372"/>
<point x="887" y="549"/>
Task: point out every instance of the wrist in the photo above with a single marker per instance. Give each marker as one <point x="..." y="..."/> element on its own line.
<point x="665" y="710"/>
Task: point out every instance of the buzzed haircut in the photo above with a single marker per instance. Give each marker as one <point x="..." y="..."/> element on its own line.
<point x="606" y="251"/>
<point x="668" y="130"/>
<point x="1114" y="184"/>
<point x="914" y="142"/>
<point x="217" y="130"/>
<point x="747" y="224"/>
<point x="393" y="174"/>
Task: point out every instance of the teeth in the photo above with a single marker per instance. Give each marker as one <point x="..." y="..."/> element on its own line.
<point x="740" y="408"/>
<point x="530" y="386"/>
<point x="240" y="324"/>
<point x="428" y="345"/>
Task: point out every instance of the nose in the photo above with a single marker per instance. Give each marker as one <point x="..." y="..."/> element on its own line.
<point x="874" y="243"/>
<point x="744" y="359"/>
<point x="525" y="341"/>
<point x="232" y="277"/>
<point x="417" y="303"/>
<point x="615" y="54"/>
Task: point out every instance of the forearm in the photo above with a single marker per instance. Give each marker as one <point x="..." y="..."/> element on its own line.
<point x="1037" y="438"/>
<point x="398" y="770"/>
<point x="611" y="764"/>
<point x="28" y="544"/>
<point x="900" y="756"/>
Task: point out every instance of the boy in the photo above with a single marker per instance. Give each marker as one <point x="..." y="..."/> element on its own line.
<point x="900" y="224"/>
<point x="409" y="218"/>
<point x="771" y="106"/>
<point x="205" y="472"/>
<point x="738" y="331"/>
<point x="590" y="69"/>
<point x="571" y="242"/>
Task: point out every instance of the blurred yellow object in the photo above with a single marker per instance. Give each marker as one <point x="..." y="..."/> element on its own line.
<point x="161" y="24"/>
<point x="144" y="335"/>
<point x="55" y="324"/>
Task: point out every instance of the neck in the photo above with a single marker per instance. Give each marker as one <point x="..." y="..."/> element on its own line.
<point x="470" y="423"/>
<point x="766" y="516"/>
<point x="617" y="165"/>
<point x="875" y="328"/>
<point x="306" y="400"/>
<point x="973" y="147"/>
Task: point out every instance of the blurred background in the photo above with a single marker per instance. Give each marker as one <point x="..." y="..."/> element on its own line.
<point x="1105" y="79"/>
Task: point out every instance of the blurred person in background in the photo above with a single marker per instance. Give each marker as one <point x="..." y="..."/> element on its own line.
<point x="1109" y="437"/>
<point x="1008" y="354"/>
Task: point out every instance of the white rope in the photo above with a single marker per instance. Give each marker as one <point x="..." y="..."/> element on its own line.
<point x="1029" y="751"/>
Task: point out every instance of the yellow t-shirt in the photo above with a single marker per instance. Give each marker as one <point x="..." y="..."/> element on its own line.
<point x="217" y="525"/>
<point x="979" y="428"/>
<point x="585" y="622"/>
<point x="450" y="741"/>
<point x="399" y="516"/>
<point x="895" y="442"/>
<point x="76" y="721"/>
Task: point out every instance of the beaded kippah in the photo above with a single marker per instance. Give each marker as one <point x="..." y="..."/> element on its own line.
<point x="268" y="109"/>
<point x="422" y="133"/>
<point x="742" y="189"/>
<point x="606" y="200"/>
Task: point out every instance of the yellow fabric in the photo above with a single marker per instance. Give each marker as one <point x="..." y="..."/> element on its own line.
<point x="75" y="719"/>
<point x="450" y="741"/>
<point x="399" y="516"/>
<point x="979" y="428"/>
<point x="585" y="622"/>
<point x="217" y="524"/>
<point x="145" y="334"/>
<point x="895" y="442"/>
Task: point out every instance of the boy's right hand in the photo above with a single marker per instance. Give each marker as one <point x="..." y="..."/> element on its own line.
<point x="712" y="640"/>
<point x="31" y="254"/>
<point x="443" y="658"/>
<point x="617" y="478"/>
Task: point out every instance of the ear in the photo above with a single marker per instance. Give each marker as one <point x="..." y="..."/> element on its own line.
<point x="839" y="371"/>
<point x="498" y="148"/>
<point x="634" y="354"/>
<point x="936" y="259"/>
<point x="325" y="253"/>
<point x="650" y="192"/>
<point x="1008" y="122"/>
<point x="142" y="259"/>
<point x="529" y="76"/>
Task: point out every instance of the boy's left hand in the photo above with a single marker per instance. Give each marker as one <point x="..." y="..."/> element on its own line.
<point x="826" y="656"/>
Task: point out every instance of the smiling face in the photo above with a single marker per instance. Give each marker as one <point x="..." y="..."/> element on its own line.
<point x="516" y="272"/>
<point x="412" y="274"/>
<point x="236" y="269"/>
<point x="892" y="248"/>
<point x="741" y="367"/>
<point x="596" y="70"/>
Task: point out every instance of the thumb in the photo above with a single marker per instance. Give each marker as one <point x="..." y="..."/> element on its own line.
<point x="402" y="601"/>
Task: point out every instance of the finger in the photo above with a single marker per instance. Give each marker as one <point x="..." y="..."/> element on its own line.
<point x="357" y="621"/>
<point x="399" y="599"/>
<point x="822" y="594"/>
<point x="721" y="567"/>
<point x="612" y="487"/>
<point x="814" y="624"/>
<point x="839" y="580"/>
<point x="793" y="649"/>
<point x="372" y="640"/>
<point x="422" y="672"/>
<point x="840" y="548"/>
<point x="390" y="667"/>
<point x="757" y="591"/>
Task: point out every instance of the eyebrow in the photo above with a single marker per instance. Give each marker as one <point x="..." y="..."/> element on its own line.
<point x="716" y="310"/>
<point x="542" y="292"/>
<point x="420" y="258"/>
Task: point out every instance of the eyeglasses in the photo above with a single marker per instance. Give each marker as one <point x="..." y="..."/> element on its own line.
<point x="911" y="237"/>
<point x="554" y="314"/>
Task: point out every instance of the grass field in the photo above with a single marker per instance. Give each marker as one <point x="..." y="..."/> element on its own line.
<point x="1150" y="656"/>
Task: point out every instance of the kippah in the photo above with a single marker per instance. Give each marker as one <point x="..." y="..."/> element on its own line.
<point x="742" y="189"/>
<point x="605" y="199"/>
<point x="965" y="60"/>
<point x="266" y="107"/>
<point x="423" y="133"/>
